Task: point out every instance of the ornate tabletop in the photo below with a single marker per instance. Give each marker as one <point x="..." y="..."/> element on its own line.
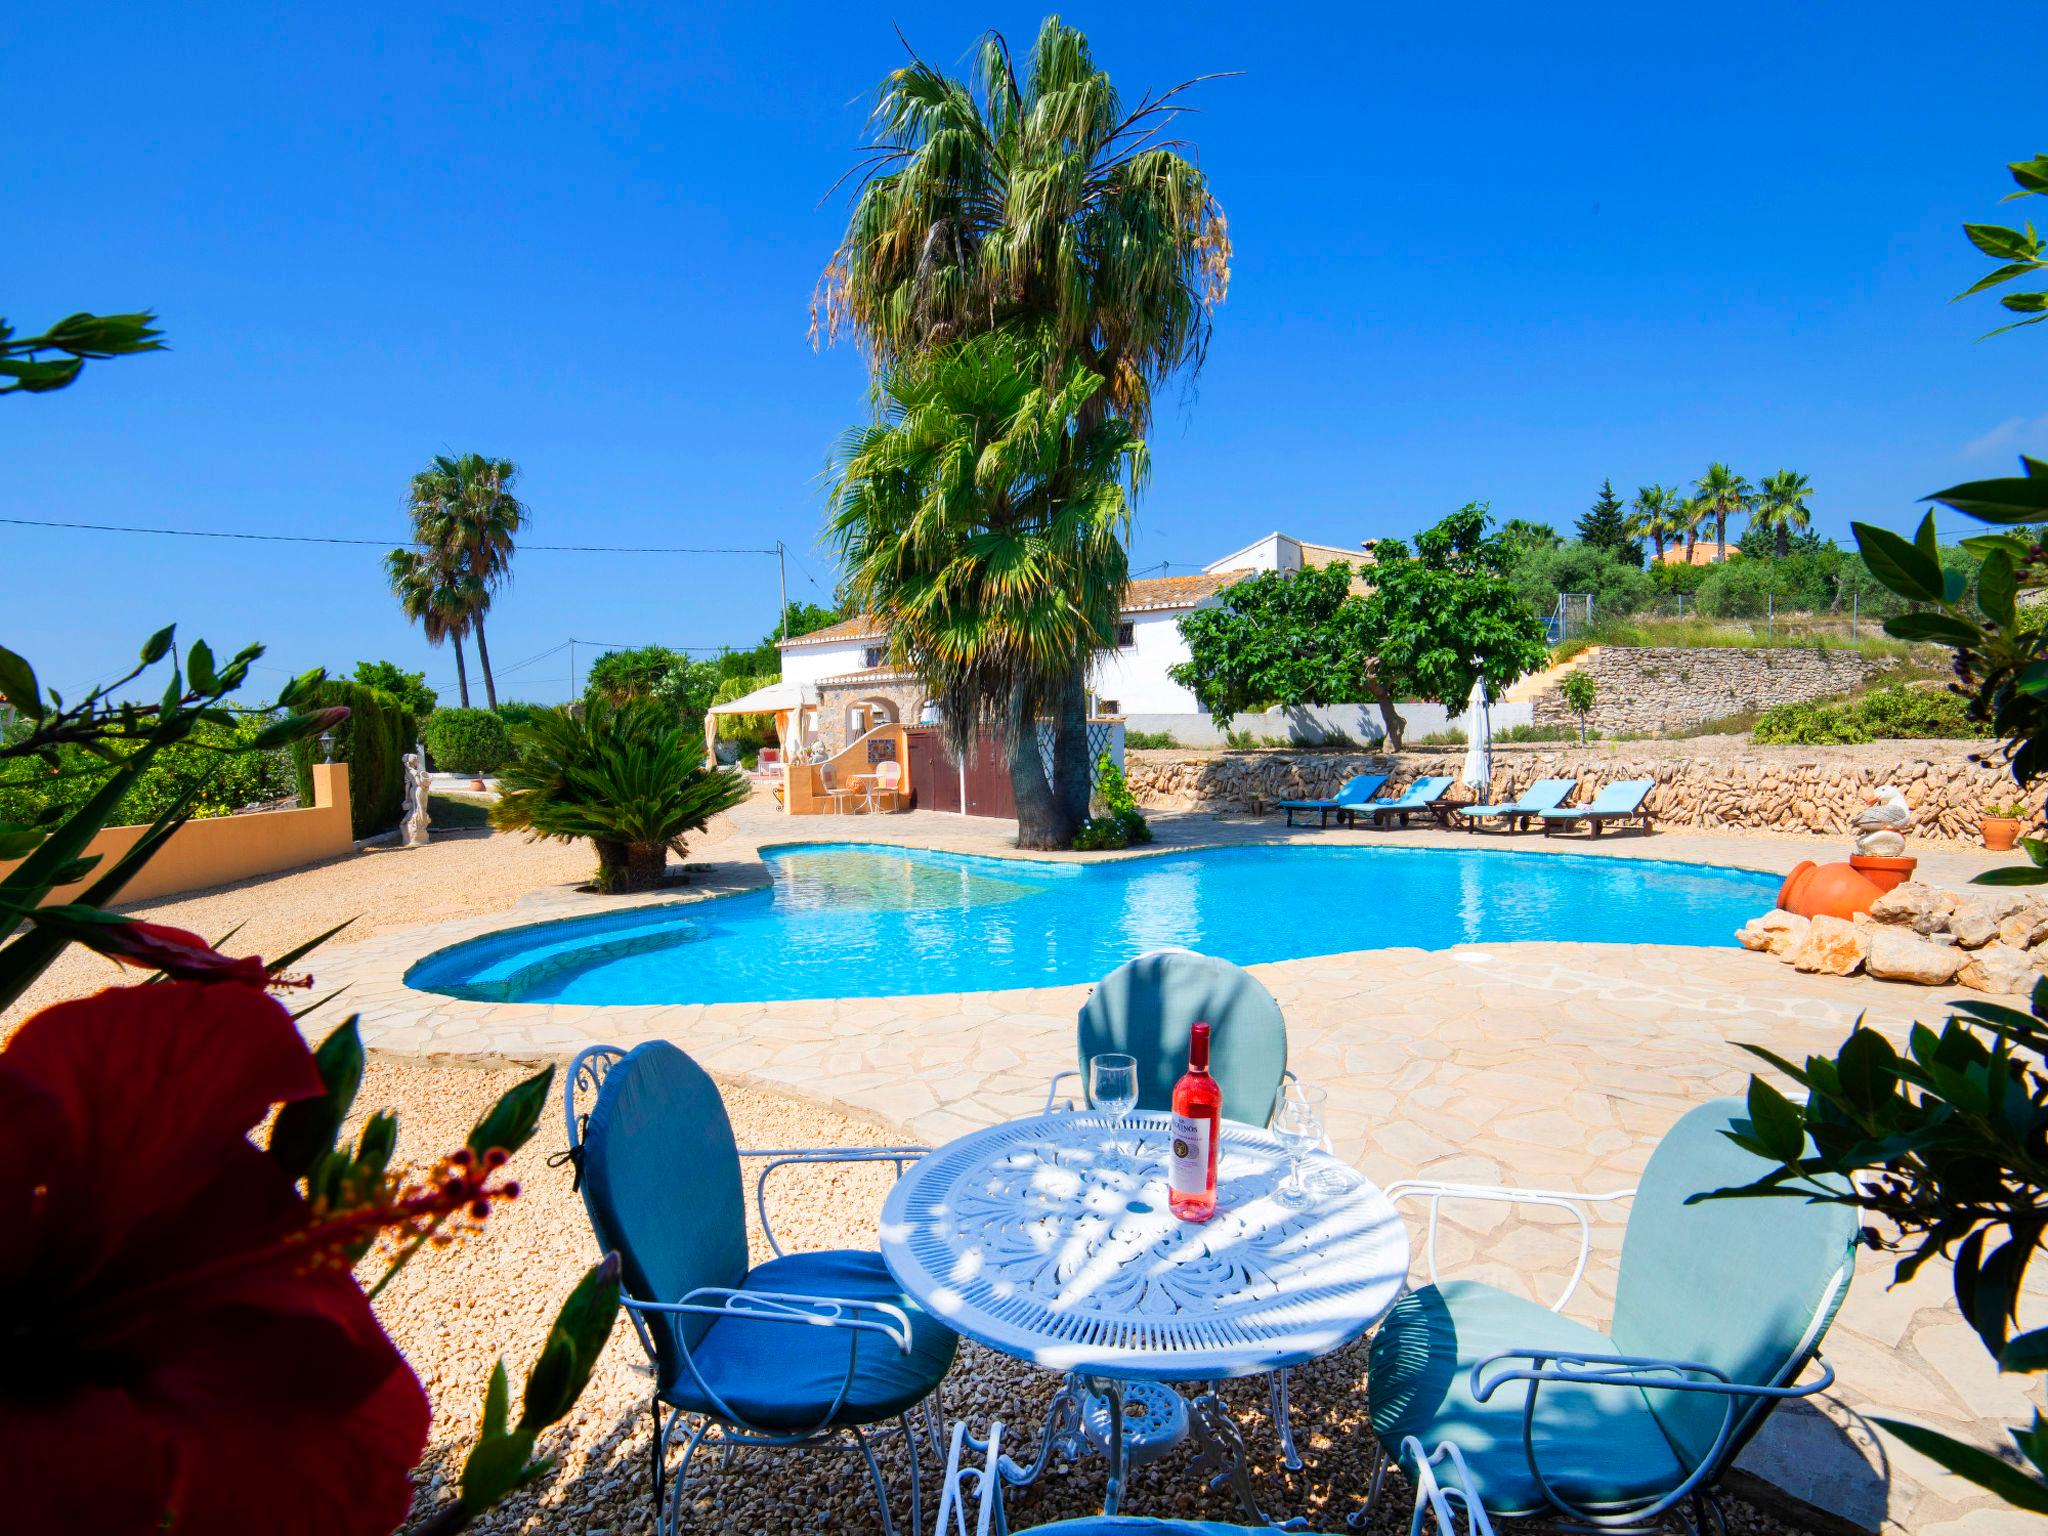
<point x="1050" y="1239"/>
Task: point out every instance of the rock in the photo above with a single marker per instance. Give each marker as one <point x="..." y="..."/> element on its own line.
<point x="1919" y="907"/>
<point x="1897" y="955"/>
<point x="1775" y="932"/>
<point x="1997" y="968"/>
<point x="1974" y="924"/>
<point x="2025" y="928"/>
<point x="1833" y="946"/>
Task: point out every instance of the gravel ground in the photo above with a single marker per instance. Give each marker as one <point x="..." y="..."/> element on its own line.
<point x="455" y="1311"/>
<point x="458" y="874"/>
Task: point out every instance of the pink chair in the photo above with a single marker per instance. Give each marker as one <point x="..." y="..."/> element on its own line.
<point x="888" y="780"/>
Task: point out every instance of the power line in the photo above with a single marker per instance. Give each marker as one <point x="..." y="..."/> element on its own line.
<point x="308" y="538"/>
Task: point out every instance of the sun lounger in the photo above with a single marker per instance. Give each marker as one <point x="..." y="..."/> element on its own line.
<point x="1354" y="794"/>
<point x="1544" y="795"/>
<point x="1418" y="798"/>
<point x="1625" y="801"/>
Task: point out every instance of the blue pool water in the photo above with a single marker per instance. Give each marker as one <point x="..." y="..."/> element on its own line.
<point x="852" y="920"/>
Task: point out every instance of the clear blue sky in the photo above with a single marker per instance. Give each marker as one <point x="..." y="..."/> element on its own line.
<point x="1497" y="255"/>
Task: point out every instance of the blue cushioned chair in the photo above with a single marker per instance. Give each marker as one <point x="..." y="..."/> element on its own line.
<point x="1719" y="1307"/>
<point x="1148" y="1007"/>
<point x="1355" y="792"/>
<point x="806" y="1349"/>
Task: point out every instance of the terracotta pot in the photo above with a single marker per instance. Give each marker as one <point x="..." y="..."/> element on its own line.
<point x="1885" y="874"/>
<point x="2000" y="832"/>
<point x="476" y="783"/>
<point x="1827" y="890"/>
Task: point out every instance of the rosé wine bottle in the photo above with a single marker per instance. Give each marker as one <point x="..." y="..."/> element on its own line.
<point x="1197" y="1127"/>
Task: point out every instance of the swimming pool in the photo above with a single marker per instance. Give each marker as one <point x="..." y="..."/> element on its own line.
<point x="857" y="920"/>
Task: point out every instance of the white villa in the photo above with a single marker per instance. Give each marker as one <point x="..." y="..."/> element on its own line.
<point x="845" y="689"/>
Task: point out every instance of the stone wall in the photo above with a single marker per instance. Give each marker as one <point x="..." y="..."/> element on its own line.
<point x="1652" y="689"/>
<point x="1709" y="783"/>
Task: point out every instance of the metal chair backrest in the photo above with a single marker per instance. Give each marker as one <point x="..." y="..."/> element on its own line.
<point x="888" y="775"/>
<point x="661" y="1182"/>
<point x="1148" y="1007"/>
<point x="1747" y="1286"/>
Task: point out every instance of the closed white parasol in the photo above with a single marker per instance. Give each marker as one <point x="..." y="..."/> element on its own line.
<point x="1479" y="729"/>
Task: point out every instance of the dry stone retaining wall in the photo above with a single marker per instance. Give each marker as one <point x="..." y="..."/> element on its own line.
<point x="1648" y="689"/>
<point x="1730" y="786"/>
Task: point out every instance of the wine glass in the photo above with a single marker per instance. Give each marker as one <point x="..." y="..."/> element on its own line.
<point x="1113" y="1089"/>
<point x="1298" y="1123"/>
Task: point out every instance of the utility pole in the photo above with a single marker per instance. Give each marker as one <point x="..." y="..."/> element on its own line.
<point x="572" y="671"/>
<point x="782" y="586"/>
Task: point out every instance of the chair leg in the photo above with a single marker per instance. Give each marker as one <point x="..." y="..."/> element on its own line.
<point x="660" y="1448"/>
<point x="682" y="1478"/>
<point x="911" y="1448"/>
<point x="875" y="1476"/>
<point x="1363" y="1513"/>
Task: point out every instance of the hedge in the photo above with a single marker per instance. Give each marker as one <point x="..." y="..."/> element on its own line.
<point x="373" y="742"/>
<point x="468" y="741"/>
<point x="231" y="780"/>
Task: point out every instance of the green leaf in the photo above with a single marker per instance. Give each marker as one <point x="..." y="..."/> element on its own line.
<point x="1867" y="1065"/>
<point x="2004" y="274"/>
<point x="1777" y="1122"/>
<point x="18" y="841"/>
<point x="497" y="1404"/>
<point x="199" y="665"/>
<point x="1973" y="1465"/>
<point x="580" y="1332"/>
<point x="156" y="645"/>
<point x="282" y="733"/>
<point x="306" y="1128"/>
<point x="2025" y="1352"/>
<point x="2032" y="176"/>
<point x="510" y="1122"/>
<point x="1899" y="564"/>
<point x="495" y="1468"/>
<point x="2035" y="849"/>
<point x="1938" y="628"/>
<point x="2012" y="874"/>
<point x="2018" y="499"/>
<point x="378" y="1141"/>
<point x="2001" y="243"/>
<point x="18" y="684"/>
<point x="1998" y="588"/>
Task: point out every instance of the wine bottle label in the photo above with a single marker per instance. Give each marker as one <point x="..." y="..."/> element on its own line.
<point x="1189" y="1174"/>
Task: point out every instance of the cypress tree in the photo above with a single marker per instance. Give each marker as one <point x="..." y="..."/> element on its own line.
<point x="1605" y="526"/>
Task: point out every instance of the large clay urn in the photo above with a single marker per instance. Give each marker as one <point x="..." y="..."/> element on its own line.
<point x="1827" y="890"/>
<point x="1885" y="874"/>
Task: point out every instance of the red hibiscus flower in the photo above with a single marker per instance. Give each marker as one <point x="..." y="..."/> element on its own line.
<point x="170" y="1360"/>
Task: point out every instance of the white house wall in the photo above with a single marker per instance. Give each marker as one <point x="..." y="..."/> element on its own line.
<point x="808" y="663"/>
<point x="1134" y="676"/>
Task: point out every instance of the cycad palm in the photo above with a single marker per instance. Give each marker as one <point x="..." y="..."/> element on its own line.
<point x="1033" y="202"/>
<point x="1720" y="492"/>
<point x="983" y="523"/>
<point x="463" y="511"/>
<point x="437" y="595"/>
<point x="1781" y="507"/>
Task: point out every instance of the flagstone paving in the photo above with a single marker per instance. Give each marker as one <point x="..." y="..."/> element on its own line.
<point x="1557" y="1065"/>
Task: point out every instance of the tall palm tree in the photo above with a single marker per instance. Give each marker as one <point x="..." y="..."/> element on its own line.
<point x="464" y="506"/>
<point x="1658" y="516"/>
<point x="983" y="521"/>
<point x="1033" y="199"/>
<point x="434" y="593"/>
<point x="1781" y="506"/>
<point x="1720" y="492"/>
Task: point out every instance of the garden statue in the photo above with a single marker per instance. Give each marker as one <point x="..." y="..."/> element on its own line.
<point x="1880" y="826"/>
<point x="415" y="823"/>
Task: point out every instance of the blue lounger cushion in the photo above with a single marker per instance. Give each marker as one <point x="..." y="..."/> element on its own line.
<point x="1543" y="795"/>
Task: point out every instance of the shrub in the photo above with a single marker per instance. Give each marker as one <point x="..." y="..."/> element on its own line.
<point x="1617" y="588"/>
<point x="222" y="756"/>
<point x="628" y="777"/>
<point x="373" y="742"/>
<point x="514" y="712"/>
<point x="1443" y="739"/>
<point x="409" y="688"/>
<point x="1118" y="803"/>
<point x="1668" y="579"/>
<point x="1746" y="589"/>
<point x="1895" y="713"/>
<point x="468" y="741"/>
<point x="1150" y="741"/>
<point x="748" y="730"/>
<point x="1239" y="741"/>
<point x="1534" y="733"/>
<point x="1100" y="832"/>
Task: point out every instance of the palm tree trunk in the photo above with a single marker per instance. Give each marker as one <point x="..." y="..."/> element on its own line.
<point x="1038" y="812"/>
<point x="483" y="656"/>
<point x="1658" y="540"/>
<point x="461" y="671"/>
<point x="1073" y="771"/>
<point x="1721" y="537"/>
<point x="1784" y="540"/>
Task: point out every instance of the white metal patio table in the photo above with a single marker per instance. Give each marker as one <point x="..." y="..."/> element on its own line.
<point x="1049" y="1239"/>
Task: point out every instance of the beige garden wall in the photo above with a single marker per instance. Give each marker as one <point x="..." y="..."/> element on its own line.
<point x="1729" y="785"/>
<point x="216" y="850"/>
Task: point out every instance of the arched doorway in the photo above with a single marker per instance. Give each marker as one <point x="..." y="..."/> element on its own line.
<point x="863" y="715"/>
